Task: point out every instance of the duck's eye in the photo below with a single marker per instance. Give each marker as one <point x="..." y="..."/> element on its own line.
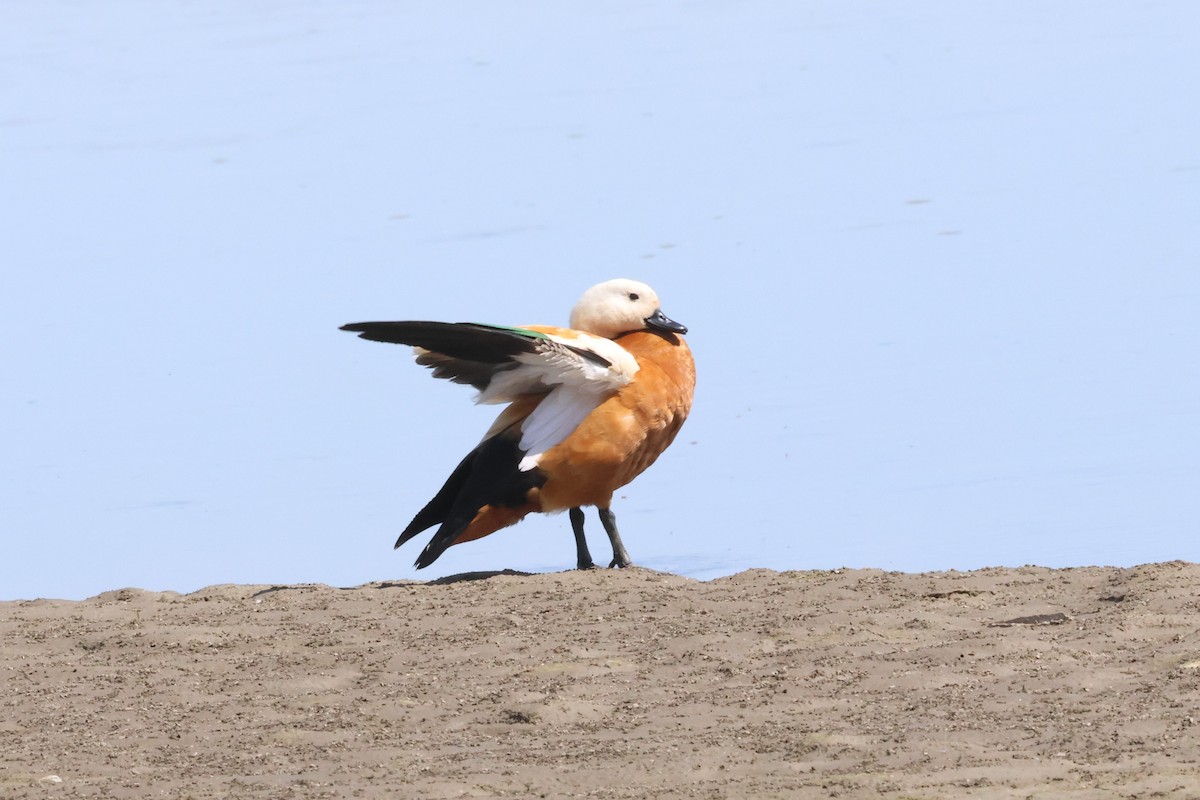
<point x="633" y="296"/>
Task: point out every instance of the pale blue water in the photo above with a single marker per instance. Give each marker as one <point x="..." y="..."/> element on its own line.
<point x="939" y="262"/>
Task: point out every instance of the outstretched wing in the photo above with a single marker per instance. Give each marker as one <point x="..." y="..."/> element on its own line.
<point x="575" y="370"/>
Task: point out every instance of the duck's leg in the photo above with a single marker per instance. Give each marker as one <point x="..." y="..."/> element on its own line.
<point x="620" y="555"/>
<point x="583" y="559"/>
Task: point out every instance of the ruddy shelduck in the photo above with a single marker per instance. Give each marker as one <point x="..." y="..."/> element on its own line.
<point x="589" y="408"/>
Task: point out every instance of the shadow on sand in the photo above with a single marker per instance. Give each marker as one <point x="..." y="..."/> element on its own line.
<point x="443" y="581"/>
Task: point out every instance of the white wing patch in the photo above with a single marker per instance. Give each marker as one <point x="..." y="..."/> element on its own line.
<point x="576" y="386"/>
<point x="553" y="420"/>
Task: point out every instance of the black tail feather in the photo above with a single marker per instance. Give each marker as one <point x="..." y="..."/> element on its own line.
<point x="489" y="475"/>
<point x="437" y="509"/>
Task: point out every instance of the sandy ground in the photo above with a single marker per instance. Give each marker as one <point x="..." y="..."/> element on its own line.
<point x="607" y="684"/>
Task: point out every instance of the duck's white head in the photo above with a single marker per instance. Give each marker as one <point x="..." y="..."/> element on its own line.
<point x="619" y="306"/>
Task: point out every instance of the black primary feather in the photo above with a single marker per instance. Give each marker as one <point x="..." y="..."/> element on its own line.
<point x="468" y="341"/>
<point x="465" y="340"/>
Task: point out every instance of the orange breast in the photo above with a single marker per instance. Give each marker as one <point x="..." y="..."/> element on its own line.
<point x="627" y="432"/>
